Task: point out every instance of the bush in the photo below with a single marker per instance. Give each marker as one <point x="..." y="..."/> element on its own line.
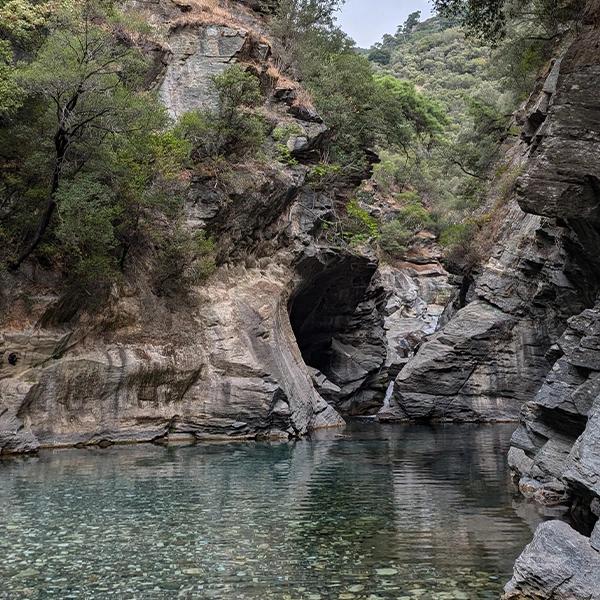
<point x="359" y="226"/>
<point x="394" y="238"/>
<point x="87" y="212"/>
<point x="323" y="173"/>
<point x="464" y="246"/>
<point x="184" y="259"/>
<point x="414" y="216"/>
<point x="212" y="136"/>
<point x="232" y="129"/>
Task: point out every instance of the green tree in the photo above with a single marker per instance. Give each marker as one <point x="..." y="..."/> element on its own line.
<point x="297" y="20"/>
<point x="21" y="24"/>
<point x="411" y="22"/>
<point x="486" y="17"/>
<point x="490" y="19"/>
<point x="379" y="55"/>
<point x="88" y="85"/>
<point x="231" y="129"/>
<point x="11" y="94"/>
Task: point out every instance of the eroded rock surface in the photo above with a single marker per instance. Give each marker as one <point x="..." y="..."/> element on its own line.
<point x="555" y="454"/>
<point x="221" y="361"/>
<point x="491" y="356"/>
<point x="559" y="564"/>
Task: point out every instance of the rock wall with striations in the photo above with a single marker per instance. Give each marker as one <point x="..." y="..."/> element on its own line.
<point x="221" y="360"/>
<point x="290" y="331"/>
<point x="491" y="357"/>
<point x="555" y="454"/>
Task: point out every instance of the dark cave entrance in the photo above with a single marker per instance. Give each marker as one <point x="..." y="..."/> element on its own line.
<point x="335" y="314"/>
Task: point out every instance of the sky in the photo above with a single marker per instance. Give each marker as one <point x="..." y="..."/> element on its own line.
<point x="366" y="21"/>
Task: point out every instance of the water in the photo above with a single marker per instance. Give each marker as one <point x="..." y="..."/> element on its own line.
<point x="372" y="512"/>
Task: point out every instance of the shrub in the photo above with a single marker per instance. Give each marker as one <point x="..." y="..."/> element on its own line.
<point x="232" y="129"/>
<point x="464" y="247"/>
<point x="184" y="259"/>
<point x="323" y="173"/>
<point x="359" y="226"/>
<point x="282" y="133"/>
<point x="414" y="216"/>
<point x="394" y="238"/>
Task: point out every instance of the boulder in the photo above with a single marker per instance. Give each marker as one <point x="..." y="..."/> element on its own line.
<point x="559" y="564"/>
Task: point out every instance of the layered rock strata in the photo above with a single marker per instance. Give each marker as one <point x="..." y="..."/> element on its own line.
<point x="555" y="454"/>
<point x="221" y="361"/>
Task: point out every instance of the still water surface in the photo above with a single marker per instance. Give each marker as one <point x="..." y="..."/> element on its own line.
<point x="373" y="512"/>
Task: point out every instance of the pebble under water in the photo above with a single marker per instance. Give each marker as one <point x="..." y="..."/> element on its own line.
<point x="370" y="512"/>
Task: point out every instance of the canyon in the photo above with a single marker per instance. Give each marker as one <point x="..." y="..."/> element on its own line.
<point x="295" y="331"/>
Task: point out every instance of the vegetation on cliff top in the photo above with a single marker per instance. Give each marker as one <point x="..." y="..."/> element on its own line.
<point x="479" y="60"/>
<point x="91" y="169"/>
<point x="92" y="172"/>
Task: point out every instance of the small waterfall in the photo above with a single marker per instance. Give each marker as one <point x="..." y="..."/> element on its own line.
<point x="388" y="395"/>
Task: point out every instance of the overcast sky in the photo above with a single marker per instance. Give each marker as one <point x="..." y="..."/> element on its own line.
<point x="367" y="20"/>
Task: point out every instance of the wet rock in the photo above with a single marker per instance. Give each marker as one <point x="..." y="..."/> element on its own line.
<point x="559" y="564"/>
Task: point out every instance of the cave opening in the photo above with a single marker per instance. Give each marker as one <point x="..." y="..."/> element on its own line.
<point x="336" y="318"/>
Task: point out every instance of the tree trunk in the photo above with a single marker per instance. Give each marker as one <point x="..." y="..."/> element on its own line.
<point x="61" y="143"/>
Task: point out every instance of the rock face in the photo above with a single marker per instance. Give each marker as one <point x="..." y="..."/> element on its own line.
<point x="495" y="352"/>
<point x="357" y="323"/>
<point x="555" y="454"/>
<point x="556" y="450"/>
<point x="559" y="564"/>
<point x="291" y="330"/>
<point x="491" y="356"/>
<point x="222" y="361"/>
<point x="198" y="54"/>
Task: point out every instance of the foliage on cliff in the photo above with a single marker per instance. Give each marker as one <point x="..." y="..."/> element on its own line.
<point x="90" y="169"/>
<point x="480" y="61"/>
<point x="362" y="110"/>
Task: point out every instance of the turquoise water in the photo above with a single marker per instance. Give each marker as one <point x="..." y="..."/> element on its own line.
<point x="370" y="512"/>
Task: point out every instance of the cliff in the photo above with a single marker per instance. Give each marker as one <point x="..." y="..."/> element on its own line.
<point x="292" y="329"/>
<point x="555" y="453"/>
<point x="221" y="361"/>
<point x="524" y="340"/>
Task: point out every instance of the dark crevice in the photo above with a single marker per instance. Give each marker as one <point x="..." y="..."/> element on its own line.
<point x="335" y="316"/>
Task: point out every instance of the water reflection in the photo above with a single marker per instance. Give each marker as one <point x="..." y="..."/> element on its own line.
<point x="375" y="512"/>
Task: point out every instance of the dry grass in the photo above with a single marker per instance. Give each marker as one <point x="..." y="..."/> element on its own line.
<point x="207" y="12"/>
<point x="279" y="80"/>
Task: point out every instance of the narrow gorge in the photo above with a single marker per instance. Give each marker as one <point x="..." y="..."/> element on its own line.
<point x="262" y="309"/>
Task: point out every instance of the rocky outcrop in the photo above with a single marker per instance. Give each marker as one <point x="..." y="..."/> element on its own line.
<point x="559" y="564"/>
<point x="494" y="354"/>
<point x="555" y="454"/>
<point x="358" y="322"/>
<point x="555" y="450"/>
<point x="418" y="293"/>
<point x="491" y="356"/>
<point x="198" y="54"/>
<point x="219" y="360"/>
<point x="290" y="331"/>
